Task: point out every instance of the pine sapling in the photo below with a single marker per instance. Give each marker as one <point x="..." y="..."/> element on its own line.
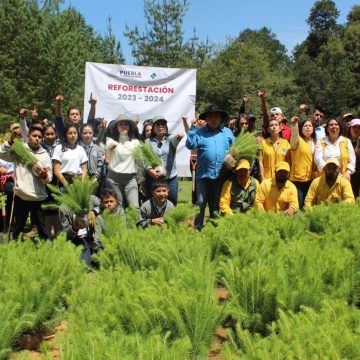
<point x="146" y="154"/>
<point x="77" y="196"/>
<point x="179" y="214"/>
<point x="23" y="154"/>
<point x="244" y="147"/>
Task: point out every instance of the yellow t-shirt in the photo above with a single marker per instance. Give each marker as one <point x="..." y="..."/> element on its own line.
<point x="273" y="153"/>
<point x="320" y="191"/>
<point x="270" y="198"/>
<point x="302" y="162"/>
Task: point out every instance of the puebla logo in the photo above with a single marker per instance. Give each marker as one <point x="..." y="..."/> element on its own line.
<point x="130" y="73"/>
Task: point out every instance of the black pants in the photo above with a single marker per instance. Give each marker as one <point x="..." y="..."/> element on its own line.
<point x="21" y="213"/>
<point x="8" y="191"/>
<point x="355" y="183"/>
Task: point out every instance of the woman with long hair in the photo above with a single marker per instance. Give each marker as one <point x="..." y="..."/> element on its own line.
<point x="165" y="146"/>
<point x="122" y="174"/>
<point x="50" y="140"/>
<point x="273" y="149"/>
<point x="302" y="142"/>
<point x="335" y="145"/>
<point x="147" y="128"/>
<point x="93" y="151"/>
<point x="69" y="158"/>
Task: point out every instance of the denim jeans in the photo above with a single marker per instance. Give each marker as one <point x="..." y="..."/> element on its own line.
<point x="173" y="189"/>
<point x="302" y="190"/>
<point x="208" y="192"/>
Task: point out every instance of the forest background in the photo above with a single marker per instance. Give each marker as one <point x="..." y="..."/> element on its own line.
<point x="44" y="46"/>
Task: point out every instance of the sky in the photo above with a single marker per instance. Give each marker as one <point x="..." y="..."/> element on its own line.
<point x="212" y="19"/>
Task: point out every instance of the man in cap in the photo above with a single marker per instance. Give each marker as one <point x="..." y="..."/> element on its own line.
<point x="15" y="130"/>
<point x="275" y="114"/>
<point x="213" y="142"/>
<point x="278" y="194"/>
<point x="238" y="193"/>
<point x="330" y="186"/>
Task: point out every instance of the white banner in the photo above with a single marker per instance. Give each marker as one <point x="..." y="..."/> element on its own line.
<point x="141" y="93"/>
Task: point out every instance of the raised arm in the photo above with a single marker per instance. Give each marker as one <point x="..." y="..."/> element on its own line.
<point x="59" y="122"/>
<point x="264" y="108"/>
<point x="185" y="123"/>
<point x="294" y="139"/>
<point x="244" y="104"/>
<point x="92" y="112"/>
<point x="23" y="124"/>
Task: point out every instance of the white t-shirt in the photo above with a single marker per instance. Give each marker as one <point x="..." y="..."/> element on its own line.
<point x="122" y="160"/>
<point x="333" y="151"/>
<point x="70" y="160"/>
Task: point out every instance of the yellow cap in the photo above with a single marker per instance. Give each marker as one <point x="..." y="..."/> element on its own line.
<point x="282" y="165"/>
<point x="14" y="126"/>
<point x="243" y="164"/>
<point x="332" y="161"/>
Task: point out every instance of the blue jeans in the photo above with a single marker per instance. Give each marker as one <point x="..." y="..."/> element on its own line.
<point x="302" y="190"/>
<point x="208" y="192"/>
<point x="173" y="189"/>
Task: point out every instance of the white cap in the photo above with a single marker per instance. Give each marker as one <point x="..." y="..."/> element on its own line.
<point x="275" y="110"/>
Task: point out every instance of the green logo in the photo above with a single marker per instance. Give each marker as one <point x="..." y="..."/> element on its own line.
<point x="153" y="75"/>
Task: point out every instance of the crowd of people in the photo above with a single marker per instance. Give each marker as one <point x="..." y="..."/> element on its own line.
<point x="300" y="163"/>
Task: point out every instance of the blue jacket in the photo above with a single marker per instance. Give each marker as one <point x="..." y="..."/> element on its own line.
<point x="212" y="146"/>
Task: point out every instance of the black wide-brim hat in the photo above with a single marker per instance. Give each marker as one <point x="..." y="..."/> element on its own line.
<point x="214" y="109"/>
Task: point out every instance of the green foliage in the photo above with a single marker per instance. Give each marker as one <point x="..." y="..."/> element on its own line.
<point x="327" y="62"/>
<point x="77" y="196"/>
<point x="35" y="283"/>
<point x="252" y="61"/>
<point x="23" y="154"/>
<point x="294" y="287"/>
<point x="179" y="215"/>
<point x="163" y="43"/>
<point x="146" y="154"/>
<point x="45" y="56"/>
<point x="269" y="262"/>
<point x="332" y="333"/>
<point x="151" y="283"/>
<point x="245" y="146"/>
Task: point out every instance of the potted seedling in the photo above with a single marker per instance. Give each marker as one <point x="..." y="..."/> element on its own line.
<point x="146" y="154"/>
<point x="244" y="147"/>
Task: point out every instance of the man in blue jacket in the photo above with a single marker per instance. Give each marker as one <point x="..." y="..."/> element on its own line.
<point x="212" y="143"/>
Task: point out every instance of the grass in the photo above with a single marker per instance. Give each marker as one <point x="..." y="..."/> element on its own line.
<point x="184" y="196"/>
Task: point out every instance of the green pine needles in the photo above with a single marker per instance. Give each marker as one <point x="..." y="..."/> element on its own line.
<point x="77" y="196"/>
<point x="244" y="147"/>
<point x="179" y="214"/>
<point x="23" y="154"/>
<point x="145" y="153"/>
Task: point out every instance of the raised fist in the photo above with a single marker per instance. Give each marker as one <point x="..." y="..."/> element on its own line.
<point x="59" y="99"/>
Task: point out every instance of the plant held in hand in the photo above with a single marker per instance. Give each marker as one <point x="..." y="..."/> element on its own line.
<point x="77" y="195"/>
<point x="146" y="154"/>
<point x="23" y="154"/>
<point x="244" y="147"/>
